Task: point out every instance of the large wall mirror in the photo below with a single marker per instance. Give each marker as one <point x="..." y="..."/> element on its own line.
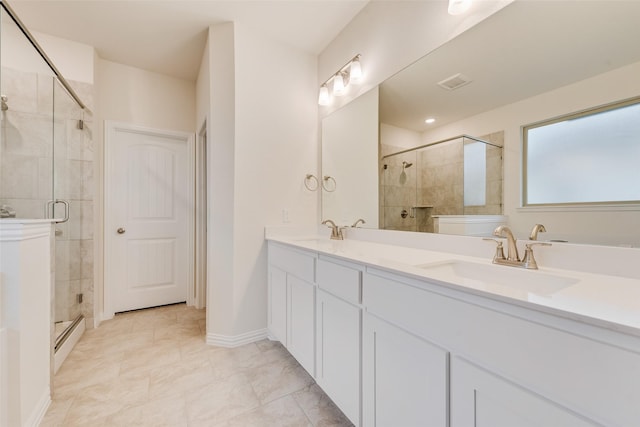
<point x="532" y="61"/>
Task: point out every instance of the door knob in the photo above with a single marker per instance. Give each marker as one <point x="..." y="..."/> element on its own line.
<point x="121" y="230"/>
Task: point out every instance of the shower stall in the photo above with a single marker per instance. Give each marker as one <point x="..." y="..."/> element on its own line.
<point x="457" y="177"/>
<point x="46" y="165"/>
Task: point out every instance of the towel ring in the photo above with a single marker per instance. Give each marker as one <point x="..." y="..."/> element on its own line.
<point x="309" y="179"/>
<point x="326" y="179"/>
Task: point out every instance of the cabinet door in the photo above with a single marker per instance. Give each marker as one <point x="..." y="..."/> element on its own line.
<point x="278" y="304"/>
<point x="482" y="399"/>
<point x="338" y="337"/>
<point x="405" y="378"/>
<point x="301" y="338"/>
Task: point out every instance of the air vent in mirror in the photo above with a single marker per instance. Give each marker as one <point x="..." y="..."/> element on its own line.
<point x="454" y="82"/>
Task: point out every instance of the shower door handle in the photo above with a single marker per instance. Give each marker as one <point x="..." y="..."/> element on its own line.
<point x="50" y="210"/>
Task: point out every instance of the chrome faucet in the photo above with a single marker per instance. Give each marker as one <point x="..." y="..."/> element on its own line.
<point x="336" y="232"/>
<point x="528" y="261"/>
<point x="7" y="211"/>
<point x="538" y="228"/>
<point x="512" y="249"/>
<point x="355" y="224"/>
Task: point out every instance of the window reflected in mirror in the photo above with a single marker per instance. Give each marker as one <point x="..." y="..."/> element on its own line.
<point x="590" y="157"/>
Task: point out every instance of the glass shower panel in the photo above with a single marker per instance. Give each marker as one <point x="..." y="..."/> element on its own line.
<point x="399" y="192"/>
<point x="26" y="126"/>
<point x="42" y="160"/>
<point x="69" y="190"/>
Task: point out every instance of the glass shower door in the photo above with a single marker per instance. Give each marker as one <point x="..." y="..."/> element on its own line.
<point x="46" y="165"/>
<point x="69" y="192"/>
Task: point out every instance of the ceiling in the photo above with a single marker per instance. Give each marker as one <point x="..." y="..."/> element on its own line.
<point x="169" y="36"/>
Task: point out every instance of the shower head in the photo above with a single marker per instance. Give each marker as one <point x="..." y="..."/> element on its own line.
<point x="406" y="165"/>
<point x="3" y="102"/>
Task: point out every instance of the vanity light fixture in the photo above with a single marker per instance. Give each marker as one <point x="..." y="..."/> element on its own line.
<point x="324" y="98"/>
<point x="355" y="71"/>
<point x="351" y="72"/>
<point x="339" y="85"/>
<point x="457" y="7"/>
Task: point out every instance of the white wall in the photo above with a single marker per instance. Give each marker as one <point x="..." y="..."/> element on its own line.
<point x="620" y="227"/>
<point x="203" y="89"/>
<point x="220" y="105"/>
<point x="145" y="98"/>
<point x="276" y="147"/>
<point x="262" y="132"/>
<point x="390" y="35"/>
<point x="350" y="156"/>
<point x="74" y="60"/>
<point x="399" y="138"/>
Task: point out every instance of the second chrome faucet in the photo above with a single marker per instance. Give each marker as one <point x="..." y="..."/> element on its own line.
<point x="336" y="232"/>
<point x="513" y="259"/>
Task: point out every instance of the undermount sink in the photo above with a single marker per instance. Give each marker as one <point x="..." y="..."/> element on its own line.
<point x="487" y="276"/>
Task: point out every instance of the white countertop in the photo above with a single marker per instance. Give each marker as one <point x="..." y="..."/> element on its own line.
<point x="601" y="300"/>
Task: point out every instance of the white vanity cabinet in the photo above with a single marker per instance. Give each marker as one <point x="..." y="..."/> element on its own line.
<point x="393" y="348"/>
<point x="483" y="399"/>
<point x="509" y="366"/>
<point x="339" y="319"/>
<point x="404" y="377"/>
<point x="292" y="293"/>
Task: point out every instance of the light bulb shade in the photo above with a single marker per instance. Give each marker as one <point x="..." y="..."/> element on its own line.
<point x="355" y="70"/>
<point x="338" y="84"/>
<point x="456" y="7"/>
<point x="324" y="98"/>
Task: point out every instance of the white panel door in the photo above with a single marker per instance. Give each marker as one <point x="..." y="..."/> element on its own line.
<point x="148" y="210"/>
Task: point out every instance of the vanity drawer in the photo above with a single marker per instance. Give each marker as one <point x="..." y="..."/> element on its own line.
<point x="340" y="280"/>
<point x="294" y="262"/>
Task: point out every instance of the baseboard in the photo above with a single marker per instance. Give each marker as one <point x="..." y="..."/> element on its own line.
<point x="231" y="341"/>
<point x="40" y="410"/>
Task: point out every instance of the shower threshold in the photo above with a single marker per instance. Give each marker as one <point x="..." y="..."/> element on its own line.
<point x="64" y="335"/>
<point x="66" y="341"/>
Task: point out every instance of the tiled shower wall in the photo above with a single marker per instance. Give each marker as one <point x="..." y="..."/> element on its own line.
<point x="434" y="184"/>
<point x="27" y="175"/>
<point x="398" y="191"/>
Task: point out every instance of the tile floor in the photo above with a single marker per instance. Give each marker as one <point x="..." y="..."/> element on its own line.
<point x="153" y="368"/>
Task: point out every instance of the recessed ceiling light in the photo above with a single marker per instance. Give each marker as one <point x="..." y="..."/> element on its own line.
<point x="430" y="120"/>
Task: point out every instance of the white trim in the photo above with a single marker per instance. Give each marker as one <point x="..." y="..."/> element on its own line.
<point x="231" y="341"/>
<point x="470" y="219"/>
<point x="611" y="207"/>
<point x="40" y="409"/>
<point x="191" y="285"/>
<point x="110" y="127"/>
<point x="200" y="224"/>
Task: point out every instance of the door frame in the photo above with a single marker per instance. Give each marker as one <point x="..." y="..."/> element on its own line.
<point x="110" y="127"/>
<point x="201" y="210"/>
